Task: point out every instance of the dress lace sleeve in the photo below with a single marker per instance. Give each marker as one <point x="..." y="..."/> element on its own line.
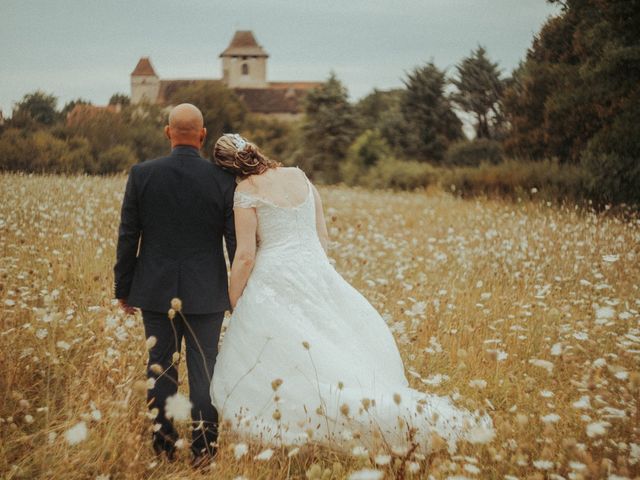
<point x="244" y="200"/>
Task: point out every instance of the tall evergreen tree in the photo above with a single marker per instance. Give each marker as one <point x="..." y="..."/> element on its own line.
<point x="329" y="129"/>
<point x="431" y="123"/>
<point x="479" y="91"/>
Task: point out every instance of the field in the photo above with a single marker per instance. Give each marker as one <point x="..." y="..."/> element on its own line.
<point x="527" y="310"/>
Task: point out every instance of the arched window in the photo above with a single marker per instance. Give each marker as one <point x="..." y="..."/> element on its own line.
<point x="245" y="69"/>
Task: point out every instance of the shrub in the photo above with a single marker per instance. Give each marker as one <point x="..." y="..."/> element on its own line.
<point x="612" y="178"/>
<point x="367" y="150"/>
<point x="400" y="175"/>
<point x="16" y="150"/>
<point x="547" y="178"/>
<point x="79" y="158"/>
<point x="473" y="153"/>
<point x="116" y="159"/>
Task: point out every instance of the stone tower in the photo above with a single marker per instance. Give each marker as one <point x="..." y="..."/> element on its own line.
<point x="145" y="84"/>
<point x="244" y="62"/>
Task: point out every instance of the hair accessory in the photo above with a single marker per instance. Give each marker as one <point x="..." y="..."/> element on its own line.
<point x="239" y="142"/>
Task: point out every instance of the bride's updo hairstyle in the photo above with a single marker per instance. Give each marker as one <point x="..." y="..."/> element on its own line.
<point x="241" y="157"/>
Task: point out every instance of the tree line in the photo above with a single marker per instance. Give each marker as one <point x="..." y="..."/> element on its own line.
<point x="565" y="121"/>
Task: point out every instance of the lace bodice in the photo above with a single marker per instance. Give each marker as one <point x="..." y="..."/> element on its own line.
<point x="283" y="228"/>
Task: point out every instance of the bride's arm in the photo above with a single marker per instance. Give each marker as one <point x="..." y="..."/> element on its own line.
<point x="321" y="225"/>
<point x="246" y="224"/>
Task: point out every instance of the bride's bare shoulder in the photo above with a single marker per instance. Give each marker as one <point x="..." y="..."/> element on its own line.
<point x="247" y="185"/>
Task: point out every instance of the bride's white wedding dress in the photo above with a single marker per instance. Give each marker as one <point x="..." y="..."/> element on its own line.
<point x="307" y="358"/>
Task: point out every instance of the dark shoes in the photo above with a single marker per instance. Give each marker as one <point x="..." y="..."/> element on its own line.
<point x="202" y="462"/>
<point x="203" y="459"/>
<point x="164" y="444"/>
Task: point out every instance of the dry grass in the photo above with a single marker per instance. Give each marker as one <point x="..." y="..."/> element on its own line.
<point x="523" y="309"/>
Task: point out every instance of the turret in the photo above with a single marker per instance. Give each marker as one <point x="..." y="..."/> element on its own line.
<point x="145" y="84"/>
<point x="244" y="62"/>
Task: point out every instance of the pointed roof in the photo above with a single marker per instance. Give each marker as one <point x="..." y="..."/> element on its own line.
<point x="244" y="43"/>
<point x="144" y="68"/>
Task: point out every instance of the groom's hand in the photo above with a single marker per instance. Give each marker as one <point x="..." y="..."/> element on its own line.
<point x="126" y="308"/>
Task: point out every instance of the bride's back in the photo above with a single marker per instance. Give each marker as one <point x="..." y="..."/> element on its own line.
<point x="284" y="187"/>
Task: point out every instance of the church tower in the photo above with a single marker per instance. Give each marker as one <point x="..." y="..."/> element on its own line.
<point x="145" y="84"/>
<point x="244" y="62"/>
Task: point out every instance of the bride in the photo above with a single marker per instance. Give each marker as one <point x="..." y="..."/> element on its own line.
<point x="306" y="358"/>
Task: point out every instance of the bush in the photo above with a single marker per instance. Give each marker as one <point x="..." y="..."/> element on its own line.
<point x="16" y="150"/>
<point x="512" y="178"/>
<point x="79" y="158"/>
<point x="612" y="178"/>
<point x="116" y="159"/>
<point x="473" y="153"/>
<point x="400" y="175"/>
<point x="363" y="154"/>
<point x="43" y="152"/>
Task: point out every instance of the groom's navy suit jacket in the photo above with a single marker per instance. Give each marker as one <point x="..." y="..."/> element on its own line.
<point x="175" y="213"/>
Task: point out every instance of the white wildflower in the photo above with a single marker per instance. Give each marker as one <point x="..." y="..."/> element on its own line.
<point x="478" y="383"/>
<point x="547" y="365"/>
<point x="178" y="407"/>
<point x="382" y="460"/>
<point x="597" y="429"/>
<point x="76" y="434"/>
<point x="359" y="451"/>
<point x="583" y="404"/>
<point x="550" y="418"/>
<point x="264" y="455"/>
<point x="634" y="453"/>
<point x="366" y="474"/>
<point x="293" y="452"/>
<point x="581" y="336"/>
<point x="240" y="450"/>
<point x="543" y="464"/>
<point x="605" y="313"/>
<point x="468" y="467"/>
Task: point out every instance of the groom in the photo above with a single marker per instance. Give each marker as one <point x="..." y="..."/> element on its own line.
<point x="175" y="213"/>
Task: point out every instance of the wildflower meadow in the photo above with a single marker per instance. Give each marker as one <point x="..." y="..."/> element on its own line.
<point x="523" y="309"/>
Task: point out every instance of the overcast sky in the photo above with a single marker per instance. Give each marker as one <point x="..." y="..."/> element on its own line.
<point x="88" y="48"/>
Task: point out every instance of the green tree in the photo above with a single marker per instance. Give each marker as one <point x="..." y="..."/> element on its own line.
<point x="145" y="130"/>
<point x="274" y="137"/>
<point x="581" y="72"/>
<point x="70" y="105"/>
<point x="102" y="128"/>
<point x="431" y="123"/>
<point x="35" y="110"/>
<point x="120" y="99"/>
<point x="329" y="128"/>
<point x="223" y="111"/>
<point x="371" y="110"/>
<point x="479" y="91"/>
<point x="365" y="152"/>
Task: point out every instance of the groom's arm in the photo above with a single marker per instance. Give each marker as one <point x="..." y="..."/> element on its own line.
<point x="128" y="239"/>
<point x="229" y="224"/>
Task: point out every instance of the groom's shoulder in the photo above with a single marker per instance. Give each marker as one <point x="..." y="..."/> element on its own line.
<point x="151" y="164"/>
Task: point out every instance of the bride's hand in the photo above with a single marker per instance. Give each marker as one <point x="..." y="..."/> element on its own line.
<point x="233" y="301"/>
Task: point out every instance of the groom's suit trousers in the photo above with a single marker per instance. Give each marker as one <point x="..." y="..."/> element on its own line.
<point x="201" y="334"/>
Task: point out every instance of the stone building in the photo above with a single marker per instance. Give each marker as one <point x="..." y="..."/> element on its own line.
<point x="244" y="70"/>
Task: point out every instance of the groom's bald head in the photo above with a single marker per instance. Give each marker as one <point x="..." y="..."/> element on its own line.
<point x="186" y="126"/>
